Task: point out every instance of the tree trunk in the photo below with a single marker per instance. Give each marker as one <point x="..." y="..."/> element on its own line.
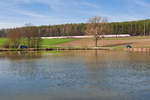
<point x="96" y="42"/>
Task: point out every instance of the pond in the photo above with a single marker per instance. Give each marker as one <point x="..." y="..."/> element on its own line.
<point x="75" y="75"/>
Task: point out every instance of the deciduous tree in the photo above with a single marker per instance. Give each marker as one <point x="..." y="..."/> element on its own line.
<point x="97" y="26"/>
<point x="14" y="37"/>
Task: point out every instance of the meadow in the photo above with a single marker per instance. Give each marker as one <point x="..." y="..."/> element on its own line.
<point x="45" y="42"/>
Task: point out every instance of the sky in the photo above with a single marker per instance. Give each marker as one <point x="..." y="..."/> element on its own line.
<point x="17" y="13"/>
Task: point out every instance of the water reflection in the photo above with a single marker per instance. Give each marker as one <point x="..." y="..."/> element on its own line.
<point x="20" y="55"/>
<point x="75" y="75"/>
<point x="123" y="72"/>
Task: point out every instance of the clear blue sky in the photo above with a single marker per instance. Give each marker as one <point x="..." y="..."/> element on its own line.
<point x="44" y="12"/>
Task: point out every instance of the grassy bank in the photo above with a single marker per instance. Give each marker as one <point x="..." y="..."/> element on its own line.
<point x="46" y="43"/>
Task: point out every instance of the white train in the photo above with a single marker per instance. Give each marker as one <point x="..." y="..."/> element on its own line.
<point x="89" y="36"/>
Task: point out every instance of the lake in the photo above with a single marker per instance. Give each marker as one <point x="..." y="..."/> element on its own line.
<point x="75" y="75"/>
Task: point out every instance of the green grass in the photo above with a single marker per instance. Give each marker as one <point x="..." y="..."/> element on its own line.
<point x="53" y="42"/>
<point x="45" y="42"/>
<point x="2" y="41"/>
<point x="118" y="47"/>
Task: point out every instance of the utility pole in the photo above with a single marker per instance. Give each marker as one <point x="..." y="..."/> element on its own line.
<point x="131" y="28"/>
<point x="144" y="27"/>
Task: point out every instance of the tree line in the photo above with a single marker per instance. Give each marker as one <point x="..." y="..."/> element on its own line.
<point x="134" y="28"/>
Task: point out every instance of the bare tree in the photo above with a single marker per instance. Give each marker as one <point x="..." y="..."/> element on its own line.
<point x="14" y="37"/>
<point x="97" y="26"/>
<point x="32" y="34"/>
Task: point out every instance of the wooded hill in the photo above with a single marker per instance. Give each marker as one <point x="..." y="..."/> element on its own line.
<point x="134" y="28"/>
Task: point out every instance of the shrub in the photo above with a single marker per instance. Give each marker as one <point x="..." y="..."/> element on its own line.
<point x="5" y="45"/>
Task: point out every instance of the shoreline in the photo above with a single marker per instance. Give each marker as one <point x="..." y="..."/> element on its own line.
<point x="79" y="48"/>
<point x="57" y="49"/>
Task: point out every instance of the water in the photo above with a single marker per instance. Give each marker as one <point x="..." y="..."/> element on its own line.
<point x="75" y="75"/>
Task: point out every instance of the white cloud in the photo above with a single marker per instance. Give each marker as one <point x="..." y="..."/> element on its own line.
<point x="30" y="13"/>
<point x="142" y="3"/>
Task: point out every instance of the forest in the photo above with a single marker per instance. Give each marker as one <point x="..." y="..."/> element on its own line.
<point x="134" y="28"/>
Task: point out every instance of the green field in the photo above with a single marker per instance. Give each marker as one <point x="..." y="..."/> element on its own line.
<point x="2" y="41"/>
<point x="45" y="42"/>
<point x="53" y="42"/>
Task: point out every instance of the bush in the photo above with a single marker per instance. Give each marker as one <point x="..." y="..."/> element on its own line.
<point x="5" y="45"/>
